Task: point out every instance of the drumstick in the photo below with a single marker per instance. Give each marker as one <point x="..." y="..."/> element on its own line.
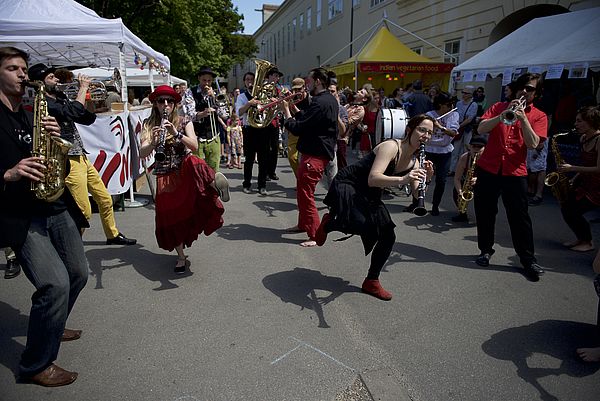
<point x="445" y="114"/>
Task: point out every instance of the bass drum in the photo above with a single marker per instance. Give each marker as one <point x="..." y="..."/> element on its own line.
<point x="390" y="123"/>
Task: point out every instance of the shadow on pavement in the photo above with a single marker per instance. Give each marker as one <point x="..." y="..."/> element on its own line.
<point x="298" y="287"/>
<point x="245" y="232"/>
<point x="154" y="267"/>
<point x="269" y="207"/>
<point x="554" y="338"/>
<point x="14" y="324"/>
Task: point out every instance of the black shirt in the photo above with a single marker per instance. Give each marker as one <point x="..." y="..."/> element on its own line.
<point x="67" y="113"/>
<point x="316" y="126"/>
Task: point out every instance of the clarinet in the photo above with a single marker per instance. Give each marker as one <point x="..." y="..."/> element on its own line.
<point x="420" y="209"/>
<point x="160" y="155"/>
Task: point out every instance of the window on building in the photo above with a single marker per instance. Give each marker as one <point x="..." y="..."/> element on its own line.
<point x="294" y="34"/>
<point x="453" y="49"/>
<point x="418" y="50"/>
<point x="289" y="38"/>
<point x="376" y="2"/>
<point x="301" y="23"/>
<point x="334" y="8"/>
<point x="308" y="20"/>
<point x="355" y="3"/>
<point x="280" y="36"/>
<point x="318" y="23"/>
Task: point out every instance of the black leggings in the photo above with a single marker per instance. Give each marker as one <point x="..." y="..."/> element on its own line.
<point x="381" y="252"/>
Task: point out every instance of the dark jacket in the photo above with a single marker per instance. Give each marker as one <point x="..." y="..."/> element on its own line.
<point x="316" y="126"/>
<point x="202" y="125"/>
<point x="17" y="201"/>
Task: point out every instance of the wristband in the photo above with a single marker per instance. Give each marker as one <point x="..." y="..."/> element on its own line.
<point x="179" y="136"/>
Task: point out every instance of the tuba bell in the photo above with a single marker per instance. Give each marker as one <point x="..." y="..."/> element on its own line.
<point x="263" y="91"/>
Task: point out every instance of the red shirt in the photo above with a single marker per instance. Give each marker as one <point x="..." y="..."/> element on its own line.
<point x="506" y="151"/>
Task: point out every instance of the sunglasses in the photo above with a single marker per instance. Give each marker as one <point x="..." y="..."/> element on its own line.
<point x="424" y="130"/>
<point x="169" y="100"/>
<point x="466" y="93"/>
<point x="529" y="88"/>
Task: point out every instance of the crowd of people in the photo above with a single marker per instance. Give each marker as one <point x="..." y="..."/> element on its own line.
<point x="194" y="132"/>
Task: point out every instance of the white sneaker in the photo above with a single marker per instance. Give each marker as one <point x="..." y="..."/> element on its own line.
<point x="222" y="186"/>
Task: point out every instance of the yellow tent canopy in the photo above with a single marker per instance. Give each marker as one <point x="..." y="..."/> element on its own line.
<point x="387" y="62"/>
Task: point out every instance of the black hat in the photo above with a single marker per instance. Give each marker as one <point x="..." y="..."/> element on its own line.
<point x="39" y="72"/>
<point x="206" y="70"/>
<point x="478" y="140"/>
<point x="274" y="70"/>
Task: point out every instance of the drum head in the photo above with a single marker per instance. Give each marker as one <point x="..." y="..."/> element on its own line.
<point x="390" y="123"/>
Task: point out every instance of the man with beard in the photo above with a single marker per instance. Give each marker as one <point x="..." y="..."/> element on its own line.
<point x="83" y="177"/>
<point x="316" y="128"/>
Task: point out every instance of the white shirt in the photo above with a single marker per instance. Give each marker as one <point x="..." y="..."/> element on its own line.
<point x="440" y="142"/>
<point x="239" y="103"/>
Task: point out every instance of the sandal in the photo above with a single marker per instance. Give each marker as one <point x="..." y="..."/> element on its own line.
<point x="180" y="265"/>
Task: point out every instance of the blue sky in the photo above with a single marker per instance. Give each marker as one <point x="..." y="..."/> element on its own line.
<point x="252" y="19"/>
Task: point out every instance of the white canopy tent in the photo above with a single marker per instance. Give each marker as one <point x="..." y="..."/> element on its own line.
<point x="567" y="40"/>
<point x="63" y="32"/>
<point x="135" y="76"/>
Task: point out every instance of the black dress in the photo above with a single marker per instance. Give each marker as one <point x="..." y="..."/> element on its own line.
<point x="357" y="209"/>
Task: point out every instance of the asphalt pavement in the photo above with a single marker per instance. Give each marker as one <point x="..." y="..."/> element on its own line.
<point x="259" y="318"/>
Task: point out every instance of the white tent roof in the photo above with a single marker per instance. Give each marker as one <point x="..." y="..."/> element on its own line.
<point x="135" y="76"/>
<point x="63" y="32"/>
<point x="570" y="38"/>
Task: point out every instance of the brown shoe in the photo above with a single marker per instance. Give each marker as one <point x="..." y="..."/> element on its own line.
<point x="53" y="376"/>
<point x="70" y="335"/>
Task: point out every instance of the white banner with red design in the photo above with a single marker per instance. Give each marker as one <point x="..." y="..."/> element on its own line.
<point x="111" y="143"/>
<point x="109" y="146"/>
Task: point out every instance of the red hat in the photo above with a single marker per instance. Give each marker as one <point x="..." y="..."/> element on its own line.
<point x="164" y="90"/>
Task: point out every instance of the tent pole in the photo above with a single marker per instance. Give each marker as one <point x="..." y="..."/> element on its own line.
<point x="123" y="77"/>
<point x="151" y="78"/>
<point x="349" y="44"/>
<point x="421" y="39"/>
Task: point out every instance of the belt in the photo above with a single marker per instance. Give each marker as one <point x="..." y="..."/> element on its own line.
<point x="208" y="140"/>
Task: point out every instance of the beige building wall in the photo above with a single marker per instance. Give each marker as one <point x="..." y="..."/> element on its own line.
<point x="433" y="28"/>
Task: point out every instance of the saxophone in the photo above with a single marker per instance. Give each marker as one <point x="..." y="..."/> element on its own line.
<point x="263" y="91"/>
<point x="557" y="181"/>
<point x="51" y="149"/>
<point x="466" y="195"/>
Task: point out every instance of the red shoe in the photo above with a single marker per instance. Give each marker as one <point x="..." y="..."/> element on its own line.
<point x="321" y="234"/>
<point x="373" y="287"/>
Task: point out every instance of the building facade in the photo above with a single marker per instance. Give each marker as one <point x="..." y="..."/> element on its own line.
<point x="303" y="34"/>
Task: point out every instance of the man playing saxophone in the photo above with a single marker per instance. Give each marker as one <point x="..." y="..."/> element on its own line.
<point x="44" y="235"/>
<point x="465" y="178"/>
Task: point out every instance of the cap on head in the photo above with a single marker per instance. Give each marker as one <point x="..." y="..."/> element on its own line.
<point x="164" y="90"/>
<point x="478" y="140"/>
<point x="298" y="83"/>
<point x="39" y="72"/>
<point x="468" y="89"/>
<point x="274" y="70"/>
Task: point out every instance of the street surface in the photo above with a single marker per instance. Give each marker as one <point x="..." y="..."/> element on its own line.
<point x="260" y="318"/>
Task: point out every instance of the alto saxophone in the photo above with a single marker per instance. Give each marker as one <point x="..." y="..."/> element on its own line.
<point x="466" y="194"/>
<point x="52" y="150"/>
<point x="557" y="181"/>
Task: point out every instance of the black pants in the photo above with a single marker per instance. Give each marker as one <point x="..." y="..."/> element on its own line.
<point x="573" y="211"/>
<point x="256" y="145"/>
<point x="441" y="165"/>
<point x="488" y="189"/>
<point x="273" y="149"/>
<point x="381" y="252"/>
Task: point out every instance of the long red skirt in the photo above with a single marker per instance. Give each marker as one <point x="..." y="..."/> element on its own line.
<point x="186" y="204"/>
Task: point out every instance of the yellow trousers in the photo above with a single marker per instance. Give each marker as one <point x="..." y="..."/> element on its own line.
<point x="83" y="179"/>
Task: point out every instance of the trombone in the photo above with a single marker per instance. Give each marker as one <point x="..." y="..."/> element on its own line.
<point x="211" y="116"/>
<point x="97" y="90"/>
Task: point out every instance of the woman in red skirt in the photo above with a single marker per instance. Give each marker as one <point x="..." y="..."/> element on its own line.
<point x="187" y="189"/>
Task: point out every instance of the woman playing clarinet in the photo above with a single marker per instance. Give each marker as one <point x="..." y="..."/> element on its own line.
<point x="187" y="189"/>
<point x="354" y="198"/>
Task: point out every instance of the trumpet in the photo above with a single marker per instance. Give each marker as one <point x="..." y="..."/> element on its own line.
<point x="295" y="98"/>
<point x="97" y="90"/>
<point x="508" y="116"/>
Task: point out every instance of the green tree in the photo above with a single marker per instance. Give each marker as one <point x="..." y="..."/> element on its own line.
<point x="191" y="33"/>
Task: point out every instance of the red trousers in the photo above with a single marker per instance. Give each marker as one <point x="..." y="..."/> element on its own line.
<point x="310" y="172"/>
